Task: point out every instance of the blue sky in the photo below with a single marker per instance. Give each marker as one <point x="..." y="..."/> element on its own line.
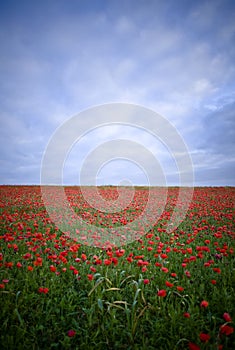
<point x="61" y="57"/>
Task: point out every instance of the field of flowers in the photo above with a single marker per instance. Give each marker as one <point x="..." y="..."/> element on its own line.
<point x="163" y="291"/>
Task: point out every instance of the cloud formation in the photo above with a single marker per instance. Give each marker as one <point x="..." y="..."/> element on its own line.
<point x="59" y="58"/>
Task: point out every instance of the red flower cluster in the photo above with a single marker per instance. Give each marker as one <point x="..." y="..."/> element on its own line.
<point x="170" y="263"/>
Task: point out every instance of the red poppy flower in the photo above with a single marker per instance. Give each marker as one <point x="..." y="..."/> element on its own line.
<point x="27" y="256"/>
<point x="161" y="293"/>
<point x="207" y="264"/>
<point x="146" y="281"/>
<point x="204" y="304"/>
<point x="93" y="269"/>
<point x="83" y="256"/>
<point x="9" y="264"/>
<point x="158" y="264"/>
<point x="53" y="268"/>
<point x="98" y="262"/>
<point x="180" y="289"/>
<point x="43" y="290"/>
<point x="169" y="284"/>
<point x="164" y="269"/>
<point x="5" y="281"/>
<point x="225" y="329"/>
<point x="204" y="337"/>
<point x="193" y="346"/>
<point x="227" y="317"/>
<point x="217" y="269"/>
<point x="107" y="262"/>
<point x="186" y="315"/>
<point x="38" y="262"/>
<point x="114" y="261"/>
<point x="71" y="333"/>
<point x="188" y="274"/>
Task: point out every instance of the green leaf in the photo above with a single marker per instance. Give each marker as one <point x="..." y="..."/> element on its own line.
<point x="100" y="304"/>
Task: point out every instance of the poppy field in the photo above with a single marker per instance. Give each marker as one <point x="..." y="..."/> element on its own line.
<point x="162" y="291"/>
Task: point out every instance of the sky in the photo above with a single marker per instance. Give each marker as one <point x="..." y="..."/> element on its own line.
<point x="59" y="58"/>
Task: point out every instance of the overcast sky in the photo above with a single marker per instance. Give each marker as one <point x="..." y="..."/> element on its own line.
<point x="60" y="57"/>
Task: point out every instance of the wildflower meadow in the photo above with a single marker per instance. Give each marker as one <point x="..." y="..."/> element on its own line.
<point x="162" y="291"/>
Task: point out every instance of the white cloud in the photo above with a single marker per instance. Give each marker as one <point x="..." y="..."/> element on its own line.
<point x="124" y="25"/>
<point x="203" y="86"/>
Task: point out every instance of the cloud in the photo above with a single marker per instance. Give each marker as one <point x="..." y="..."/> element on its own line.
<point x="219" y="129"/>
<point x="59" y="58"/>
<point x="214" y="159"/>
